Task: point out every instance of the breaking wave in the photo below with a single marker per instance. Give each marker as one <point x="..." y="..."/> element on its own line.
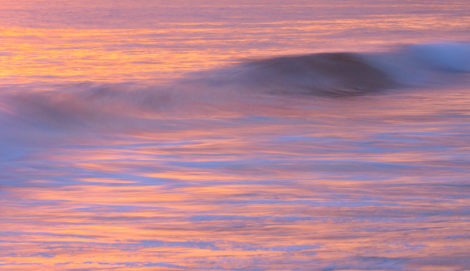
<point x="238" y="87"/>
<point x="346" y="73"/>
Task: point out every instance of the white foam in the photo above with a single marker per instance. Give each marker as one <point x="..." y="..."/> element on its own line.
<point x="451" y="56"/>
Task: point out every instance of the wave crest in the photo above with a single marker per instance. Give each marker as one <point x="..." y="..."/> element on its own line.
<point x="347" y="73"/>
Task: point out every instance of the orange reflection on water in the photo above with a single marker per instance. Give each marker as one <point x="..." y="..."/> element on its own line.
<point x="160" y="48"/>
<point x="256" y="195"/>
<point x="142" y="178"/>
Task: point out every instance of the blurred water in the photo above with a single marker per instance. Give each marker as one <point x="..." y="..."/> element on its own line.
<point x="112" y="157"/>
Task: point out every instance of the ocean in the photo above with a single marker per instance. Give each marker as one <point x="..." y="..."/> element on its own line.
<point x="234" y="135"/>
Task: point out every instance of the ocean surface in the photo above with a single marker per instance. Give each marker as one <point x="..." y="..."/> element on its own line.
<point x="235" y="135"/>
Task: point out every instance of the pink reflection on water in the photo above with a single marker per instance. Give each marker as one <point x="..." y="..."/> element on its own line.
<point x="121" y="171"/>
<point x="347" y="183"/>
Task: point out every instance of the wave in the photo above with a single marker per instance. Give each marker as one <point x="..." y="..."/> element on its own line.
<point x="238" y="87"/>
<point x="332" y="74"/>
<point x="348" y="73"/>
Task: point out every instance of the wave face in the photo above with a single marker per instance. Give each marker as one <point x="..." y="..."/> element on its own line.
<point x="347" y="73"/>
<point x="324" y="74"/>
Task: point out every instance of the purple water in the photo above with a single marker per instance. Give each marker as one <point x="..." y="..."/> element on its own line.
<point x="146" y="135"/>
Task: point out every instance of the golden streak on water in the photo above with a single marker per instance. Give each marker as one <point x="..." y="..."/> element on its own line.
<point x="374" y="182"/>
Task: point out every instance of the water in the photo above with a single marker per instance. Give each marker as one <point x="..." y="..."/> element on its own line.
<point x="198" y="136"/>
